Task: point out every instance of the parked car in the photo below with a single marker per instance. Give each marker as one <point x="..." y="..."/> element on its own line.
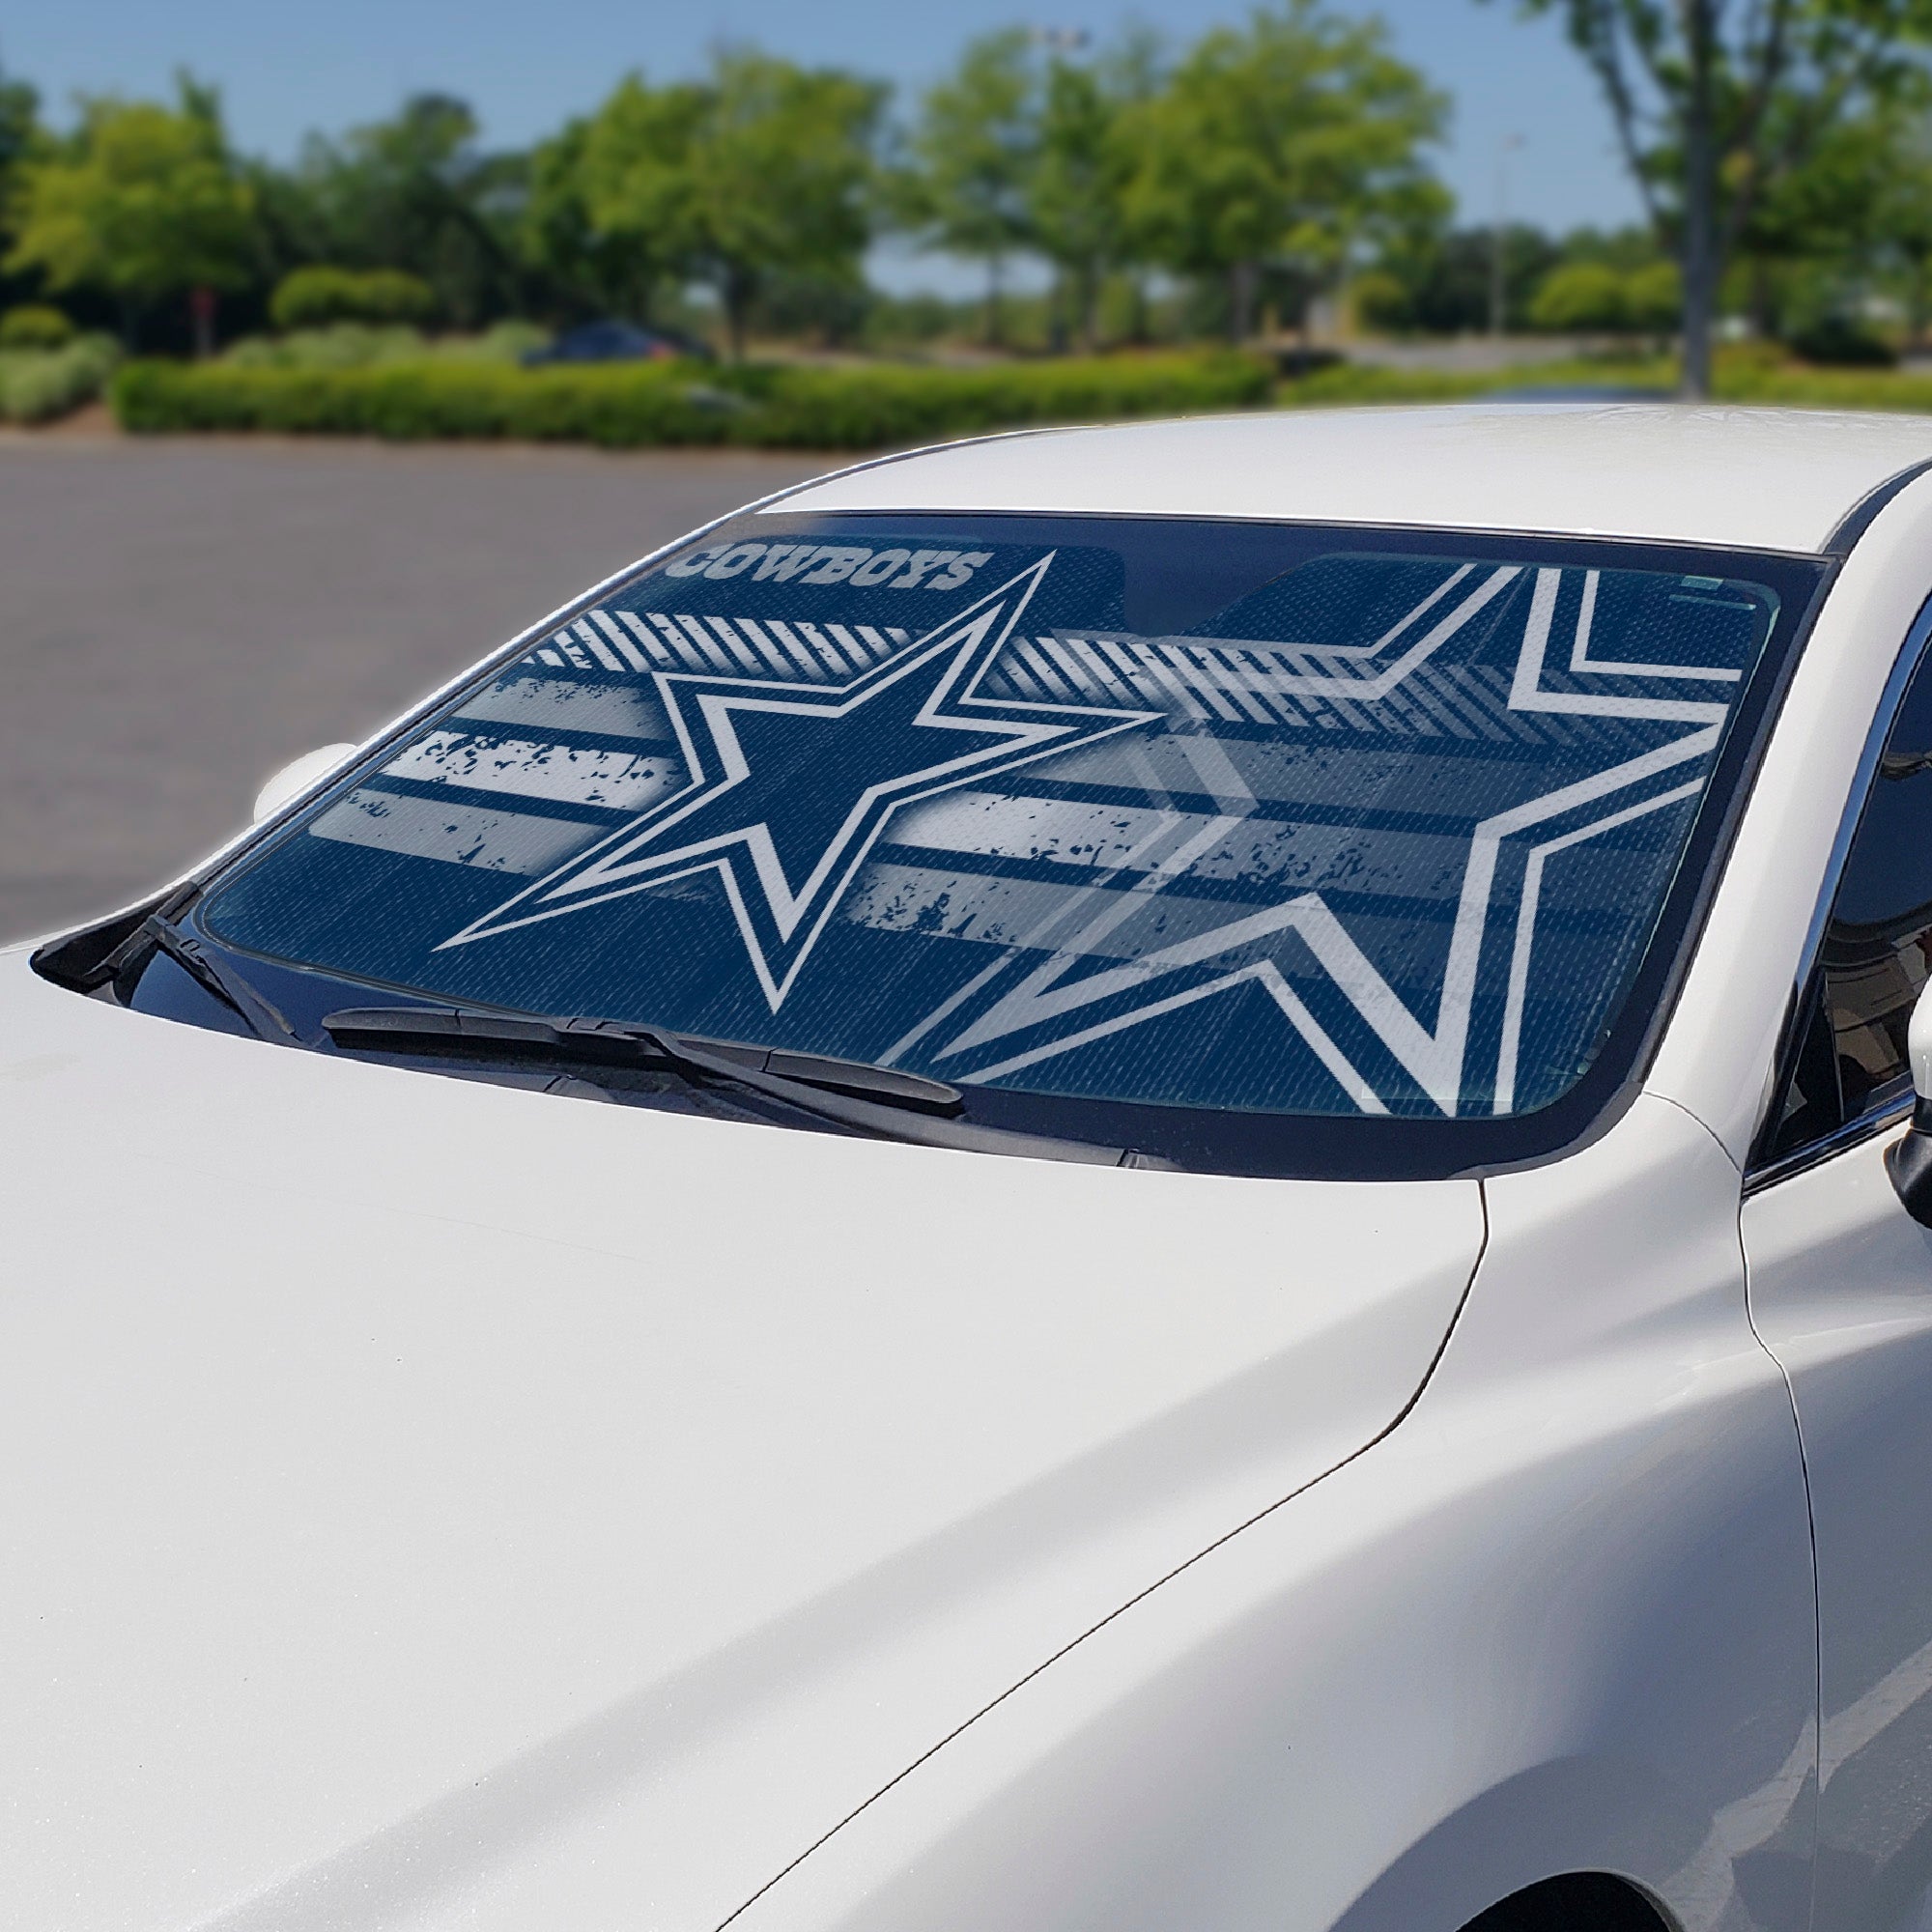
<point x="616" y="342"/>
<point x="1145" y="1178"/>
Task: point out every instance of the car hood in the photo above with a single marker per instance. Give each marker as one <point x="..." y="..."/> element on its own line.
<point x="430" y="1503"/>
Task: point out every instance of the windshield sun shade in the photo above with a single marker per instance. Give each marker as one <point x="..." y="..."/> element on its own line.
<point x="1250" y="821"/>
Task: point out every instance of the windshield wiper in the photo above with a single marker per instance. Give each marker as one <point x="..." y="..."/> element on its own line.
<point x="261" y="1015"/>
<point x="878" y="1101"/>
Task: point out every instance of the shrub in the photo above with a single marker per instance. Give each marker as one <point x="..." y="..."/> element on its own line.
<point x="629" y="405"/>
<point x="412" y="401"/>
<point x="35" y="325"/>
<point x="38" y="385"/>
<point x="315" y="298"/>
<point x="341" y="345"/>
<point x="1381" y="301"/>
<point x="1580" y="296"/>
<point x="1840" y="341"/>
<point x="1654" y="297"/>
<point x="1355" y="383"/>
<point x="1752" y="355"/>
<point x="362" y="345"/>
<point x="868" y="406"/>
<point x="508" y="341"/>
<point x="1795" y="386"/>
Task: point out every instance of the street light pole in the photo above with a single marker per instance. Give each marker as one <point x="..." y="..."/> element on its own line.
<point x="1499" y="236"/>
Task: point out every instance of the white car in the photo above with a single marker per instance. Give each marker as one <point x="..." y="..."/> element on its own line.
<point x="1119" y="1181"/>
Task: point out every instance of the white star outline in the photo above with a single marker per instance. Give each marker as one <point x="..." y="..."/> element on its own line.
<point x="608" y="869"/>
<point x="1435" y="1059"/>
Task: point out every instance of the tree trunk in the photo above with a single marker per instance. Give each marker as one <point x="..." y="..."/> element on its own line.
<point x="1242" y="279"/>
<point x="200" y="311"/>
<point x="995" y="324"/>
<point x="1763" y="321"/>
<point x="1701" y="237"/>
<point x="737" y="310"/>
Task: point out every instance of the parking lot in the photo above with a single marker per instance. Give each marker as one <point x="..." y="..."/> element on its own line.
<point x="179" y="618"/>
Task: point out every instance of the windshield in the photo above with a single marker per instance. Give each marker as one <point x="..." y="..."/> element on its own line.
<point x="1249" y="821"/>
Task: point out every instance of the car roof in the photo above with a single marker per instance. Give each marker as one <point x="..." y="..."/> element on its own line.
<point x="1771" y="479"/>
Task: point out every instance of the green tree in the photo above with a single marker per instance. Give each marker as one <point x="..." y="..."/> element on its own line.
<point x="1900" y="212"/>
<point x="1444" y="277"/>
<point x="417" y="193"/>
<point x="20" y="133"/>
<point x="1716" y="108"/>
<point x="972" y="154"/>
<point x="1814" y="231"/>
<point x="1077" y="213"/>
<point x="1854" y="221"/>
<point x="762" y="174"/>
<point x="1283" y="142"/>
<point x="613" y="199"/>
<point x="559" y="239"/>
<point x="21" y="136"/>
<point x="1075" y="194"/>
<point x="142" y="201"/>
<point x="781" y="176"/>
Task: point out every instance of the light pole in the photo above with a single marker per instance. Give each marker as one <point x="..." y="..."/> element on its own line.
<point x="1499" y="234"/>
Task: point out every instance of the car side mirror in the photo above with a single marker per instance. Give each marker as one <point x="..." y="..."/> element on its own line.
<point x="295" y="777"/>
<point x="1909" y="1161"/>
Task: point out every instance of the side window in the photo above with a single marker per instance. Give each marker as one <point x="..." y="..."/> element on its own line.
<point x="1850" y="1056"/>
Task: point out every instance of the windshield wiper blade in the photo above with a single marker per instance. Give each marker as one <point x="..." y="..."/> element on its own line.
<point x="262" y="1015"/>
<point x="878" y="1101"/>
<point x="612" y="1042"/>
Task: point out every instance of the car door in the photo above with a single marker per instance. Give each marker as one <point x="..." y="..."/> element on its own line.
<point x="1841" y="1287"/>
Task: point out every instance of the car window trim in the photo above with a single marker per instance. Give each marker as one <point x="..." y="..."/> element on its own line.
<point x="1759" y="1172"/>
<point x="1892" y="1111"/>
<point x="1411" y="1149"/>
<point x="1859" y="518"/>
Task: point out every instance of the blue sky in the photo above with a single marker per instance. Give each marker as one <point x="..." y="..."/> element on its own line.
<point x="284" y="70"/>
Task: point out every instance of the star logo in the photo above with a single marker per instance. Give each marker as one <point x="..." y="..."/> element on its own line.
<point x="791" y="785"/>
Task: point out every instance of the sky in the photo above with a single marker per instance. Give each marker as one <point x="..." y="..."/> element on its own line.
<point x="285" y="70"/>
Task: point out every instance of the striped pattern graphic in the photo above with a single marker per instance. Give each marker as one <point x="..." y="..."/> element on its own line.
<point x="1283" y="829"/>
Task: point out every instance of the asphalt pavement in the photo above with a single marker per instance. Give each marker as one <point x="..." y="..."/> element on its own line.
<point x="180" y="617"/>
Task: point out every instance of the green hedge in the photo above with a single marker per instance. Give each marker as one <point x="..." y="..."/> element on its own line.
<point x="1373" y="382"/>
<point x="314" y="297"/>
<point x="35" y="325"/>
<point x="1828" y="388"/>
<point x="1742" y="376"/>
<point x="362" y="345"/>
<point x="811" y="406"/>
<point x="1346" y="382"/>
<point x="632" y="405"/>
<point x="40" y="384"/>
